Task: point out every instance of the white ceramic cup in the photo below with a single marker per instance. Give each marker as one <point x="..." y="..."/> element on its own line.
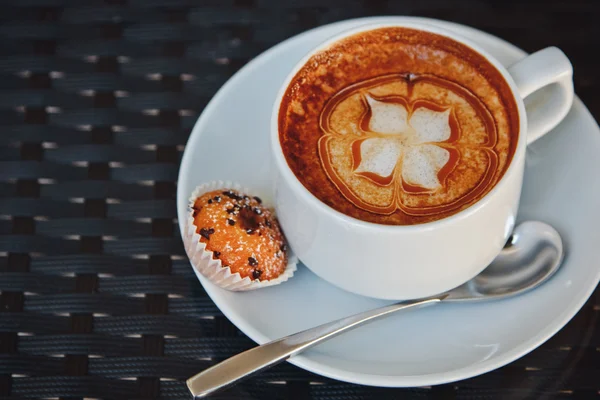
<point x="412" y="261"/>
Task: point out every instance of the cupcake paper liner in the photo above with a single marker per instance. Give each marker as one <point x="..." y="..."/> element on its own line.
<point x="202" y="258"/>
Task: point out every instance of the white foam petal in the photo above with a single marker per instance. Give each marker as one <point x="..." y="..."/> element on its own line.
<point x="379" y="156"/>
<point x="430" y="126"/>
<point x="421" y="165"/>
<point x="387" y="117"/>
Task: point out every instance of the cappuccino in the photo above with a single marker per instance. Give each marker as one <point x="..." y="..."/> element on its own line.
<point x="398" y="126"/>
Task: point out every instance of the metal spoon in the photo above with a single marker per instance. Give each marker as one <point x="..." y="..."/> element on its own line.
<point x="531" y="256"/>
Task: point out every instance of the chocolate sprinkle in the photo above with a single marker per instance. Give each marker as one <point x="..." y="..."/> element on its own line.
<point x="283" y="247"/>
<point x="258" y="199"/>
<point x="209" y="201"/>
<point x="249" y="231"/>
<point x="256" y="273"/>
<point x="268" y="222"/>
<point x="257" y="211"/>
<point x="205" y="233"/>
<point x="252" y="262"/>
<point x="232" y="195"/>
<point x="231" y="222"/>
<point x="217" y="253"/>
<point x="218" y="199"/>
<point x="230" y="210"/>
<point x="248" y="220"/>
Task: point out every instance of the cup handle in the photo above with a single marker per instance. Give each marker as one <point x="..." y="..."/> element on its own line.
<point x="548" y="67"/>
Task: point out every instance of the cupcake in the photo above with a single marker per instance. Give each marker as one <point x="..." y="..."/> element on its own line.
<point x="234" y="240"/>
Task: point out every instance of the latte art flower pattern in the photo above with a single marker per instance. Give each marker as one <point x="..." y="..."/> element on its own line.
<point x="397" y="143"/>
<point x="403" y="144"/>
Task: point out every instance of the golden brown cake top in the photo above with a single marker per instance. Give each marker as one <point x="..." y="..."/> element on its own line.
<point x="242" y="233"/>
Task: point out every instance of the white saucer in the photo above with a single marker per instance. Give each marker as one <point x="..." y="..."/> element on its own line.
<point x="431" y="346"/>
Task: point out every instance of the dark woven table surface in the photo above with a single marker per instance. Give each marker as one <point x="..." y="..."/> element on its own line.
<point x="97" y="99"/>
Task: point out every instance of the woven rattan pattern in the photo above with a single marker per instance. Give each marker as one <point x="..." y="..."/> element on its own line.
<point x="97" y="99"/>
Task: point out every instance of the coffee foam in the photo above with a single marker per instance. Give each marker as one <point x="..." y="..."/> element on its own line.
<point x="420" y="166"/>
<point x="430" y="125"/>
<point x="399" y="147"/>
<point x="379" y="156"/>
<point x="387" y="117"/>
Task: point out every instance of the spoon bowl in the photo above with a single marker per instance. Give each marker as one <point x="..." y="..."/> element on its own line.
<point x="532" y="255"/>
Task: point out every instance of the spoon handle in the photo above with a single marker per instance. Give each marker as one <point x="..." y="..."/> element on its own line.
<point x="252" y="361"/>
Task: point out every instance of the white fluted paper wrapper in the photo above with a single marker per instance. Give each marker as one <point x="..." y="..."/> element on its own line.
<point x="202" y="258"/>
